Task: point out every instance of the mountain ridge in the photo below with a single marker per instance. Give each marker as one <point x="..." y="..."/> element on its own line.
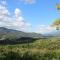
<point x="18" y="34"/>
<point x="55" y="33"/>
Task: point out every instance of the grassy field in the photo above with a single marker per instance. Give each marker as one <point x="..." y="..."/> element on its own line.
<point x="41" y="49"/>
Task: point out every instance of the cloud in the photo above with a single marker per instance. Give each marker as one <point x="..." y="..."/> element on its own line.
<point x="29" y="1"/>
<point x="44" y="29"/>
<point x="17" y="12"/>
<point x="3" y="2"/>
<point x="15" y="21"/>
<point x="4" y="13"/>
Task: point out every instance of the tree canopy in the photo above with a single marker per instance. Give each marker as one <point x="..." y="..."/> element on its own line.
<point x="58" y="6"/>
<point x="56" y="24"/>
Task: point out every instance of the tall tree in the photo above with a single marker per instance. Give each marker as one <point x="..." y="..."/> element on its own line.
<point x="58" y="6"/>
<point x="56" y="24"/>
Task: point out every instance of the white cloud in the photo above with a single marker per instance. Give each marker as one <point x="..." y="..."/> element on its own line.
<point x="17" y="12"/>
<point x="3" y="2"/>
<point x="44" y="29"/>
<point x="16" y="21"/>
<point x="4" y="13"/>
<point x="29" y="1"/>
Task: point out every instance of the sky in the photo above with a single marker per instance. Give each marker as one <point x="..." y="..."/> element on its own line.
<point x="29" y="15"/>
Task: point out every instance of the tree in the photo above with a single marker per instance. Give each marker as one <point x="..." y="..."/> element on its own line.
<point x="56" y="24"/>
<point x="58" y="6"/>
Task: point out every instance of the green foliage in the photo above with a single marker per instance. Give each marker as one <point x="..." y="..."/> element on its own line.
<point x="56" y="24"/>
<point x="42" y="49"/>
<point x="58" y="6"/>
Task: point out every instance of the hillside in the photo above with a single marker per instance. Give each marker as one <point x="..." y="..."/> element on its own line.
<point x="11" y="32"/>
<point x="42" y="49"/>
<point x="10" y="36"/>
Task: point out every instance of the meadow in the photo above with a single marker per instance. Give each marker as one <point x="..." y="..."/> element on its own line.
<point x="41" y="49"/>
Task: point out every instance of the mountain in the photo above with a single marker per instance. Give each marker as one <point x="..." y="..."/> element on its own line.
<point x="55" y="33"/>
<point x="10" y="33"/>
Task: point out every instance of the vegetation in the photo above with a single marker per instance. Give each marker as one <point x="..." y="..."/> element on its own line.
<point x="41" y="49"/>
<point x="56" y="24"/>
<point x="58" y="6"/>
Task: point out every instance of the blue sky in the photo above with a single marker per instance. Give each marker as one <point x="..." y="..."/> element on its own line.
<point x="41" y="12"/>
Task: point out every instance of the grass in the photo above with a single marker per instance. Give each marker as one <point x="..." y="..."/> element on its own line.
<point x="42" y="49"/>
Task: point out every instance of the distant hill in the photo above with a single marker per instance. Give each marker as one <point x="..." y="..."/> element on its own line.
<point x="55" y="33"/>
<point x="10" y="36"/>
<point x="5" y="32"/>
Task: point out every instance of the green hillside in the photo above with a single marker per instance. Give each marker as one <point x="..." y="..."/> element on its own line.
<point x="41" y="49"/>
<point x="10" y="33"/>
